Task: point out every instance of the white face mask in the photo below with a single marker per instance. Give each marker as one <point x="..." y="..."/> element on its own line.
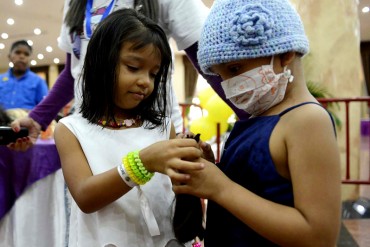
<point x="257" y="90"/>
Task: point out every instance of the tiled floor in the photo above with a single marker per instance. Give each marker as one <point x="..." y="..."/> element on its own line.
<point x="359" y="229"/>
<point x="345" y="238"/>
<point x="353" y="233"/>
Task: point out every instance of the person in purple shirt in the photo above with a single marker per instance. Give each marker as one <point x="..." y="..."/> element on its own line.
<point x="19" y="86"/>
<point x="181" y="20"/>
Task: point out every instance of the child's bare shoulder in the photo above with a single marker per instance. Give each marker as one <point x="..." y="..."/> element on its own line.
<point x="309" y="114"/>
<point x="306" y="120"/>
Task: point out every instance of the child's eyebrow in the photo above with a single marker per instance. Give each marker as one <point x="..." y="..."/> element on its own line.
<point x="138" y="59"/>
<point x="134" y="57"/>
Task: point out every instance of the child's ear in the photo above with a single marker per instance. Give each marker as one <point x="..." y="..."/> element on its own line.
<point x="287" y="58"/>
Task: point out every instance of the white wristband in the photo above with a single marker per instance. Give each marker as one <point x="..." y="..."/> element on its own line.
<point x="125" y="177"/>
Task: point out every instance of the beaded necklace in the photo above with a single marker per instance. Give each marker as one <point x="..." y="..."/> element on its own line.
<point x="116" y="125"/>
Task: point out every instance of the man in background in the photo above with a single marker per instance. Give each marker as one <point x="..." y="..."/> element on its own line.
<point x="19" y="86"/>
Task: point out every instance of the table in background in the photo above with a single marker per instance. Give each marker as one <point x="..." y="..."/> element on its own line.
<point x="32" y="197"/>
<point x="18" y="170"/>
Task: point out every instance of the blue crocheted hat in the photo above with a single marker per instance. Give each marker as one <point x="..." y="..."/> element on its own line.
<point x="243" y="29"/>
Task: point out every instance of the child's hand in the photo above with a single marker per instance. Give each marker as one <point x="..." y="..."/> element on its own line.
<point x="207" y="152"/>
<point x="172" y="156"/>
<point x="188" y="135"/>
<point x="206" y="183"/>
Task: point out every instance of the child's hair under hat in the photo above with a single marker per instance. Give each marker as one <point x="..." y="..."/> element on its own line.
<point x="244" y="29"/>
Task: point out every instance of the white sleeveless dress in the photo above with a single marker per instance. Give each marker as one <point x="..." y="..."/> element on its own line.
<point x="120" y="223"/>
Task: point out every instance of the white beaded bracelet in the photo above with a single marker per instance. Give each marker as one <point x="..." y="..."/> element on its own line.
<point x="125" y="177"/>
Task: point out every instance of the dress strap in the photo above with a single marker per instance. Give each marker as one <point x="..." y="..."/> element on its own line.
<point x="296" y="106"/>
<point x="309" y="102"/>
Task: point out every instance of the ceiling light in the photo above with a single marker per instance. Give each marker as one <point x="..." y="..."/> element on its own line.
<point x="365" y="9"/>
<point x="11" y="65"/>
<point x="4" y="35"/>
<point x="37" y="31"/>
<point x="10" y="21"/>
<point x="40" y="56"/>
<point x="58" y="39"/>
<point x="49" y="48"/>
<point x="18" y="2"/>
<point x="30" y="42"/>
<point x="2" y="46"/>
<point x="33" y="62"/>
<point x="56" y="60"/>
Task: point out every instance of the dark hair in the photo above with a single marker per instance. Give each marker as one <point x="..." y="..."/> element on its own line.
<point x="18" y="43"/>
<point x="102" y="60"/>
<point x="187" y="221"/>
<point x="76" y="13"/>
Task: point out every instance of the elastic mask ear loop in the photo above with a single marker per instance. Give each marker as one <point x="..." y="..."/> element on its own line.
<point x="272" y="61"/>
<point x="288" y="74"/>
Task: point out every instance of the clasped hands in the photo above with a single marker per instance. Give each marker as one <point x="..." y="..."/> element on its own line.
<point x="188" y="163"/>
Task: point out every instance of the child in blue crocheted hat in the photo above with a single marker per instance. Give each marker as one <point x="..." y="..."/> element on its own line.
<point x="278" y="180"/>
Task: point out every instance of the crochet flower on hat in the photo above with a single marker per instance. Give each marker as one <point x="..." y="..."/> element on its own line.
<point x="252" y="25"/>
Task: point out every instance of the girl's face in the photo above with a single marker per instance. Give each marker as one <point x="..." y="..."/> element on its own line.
<point x="137" y="70"/>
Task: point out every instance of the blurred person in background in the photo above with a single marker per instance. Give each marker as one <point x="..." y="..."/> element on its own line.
<point x="20" y="88"/>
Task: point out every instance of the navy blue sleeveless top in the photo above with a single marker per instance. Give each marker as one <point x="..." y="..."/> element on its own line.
<point x="247" y="161"/>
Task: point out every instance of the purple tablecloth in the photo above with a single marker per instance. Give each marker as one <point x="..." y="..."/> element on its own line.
<point x="18" y="170"/>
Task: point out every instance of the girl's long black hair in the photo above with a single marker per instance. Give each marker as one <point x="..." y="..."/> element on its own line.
<point x="187" y="222"/>
<point x="100" y="71"/>
<point x="188" y="217"/>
